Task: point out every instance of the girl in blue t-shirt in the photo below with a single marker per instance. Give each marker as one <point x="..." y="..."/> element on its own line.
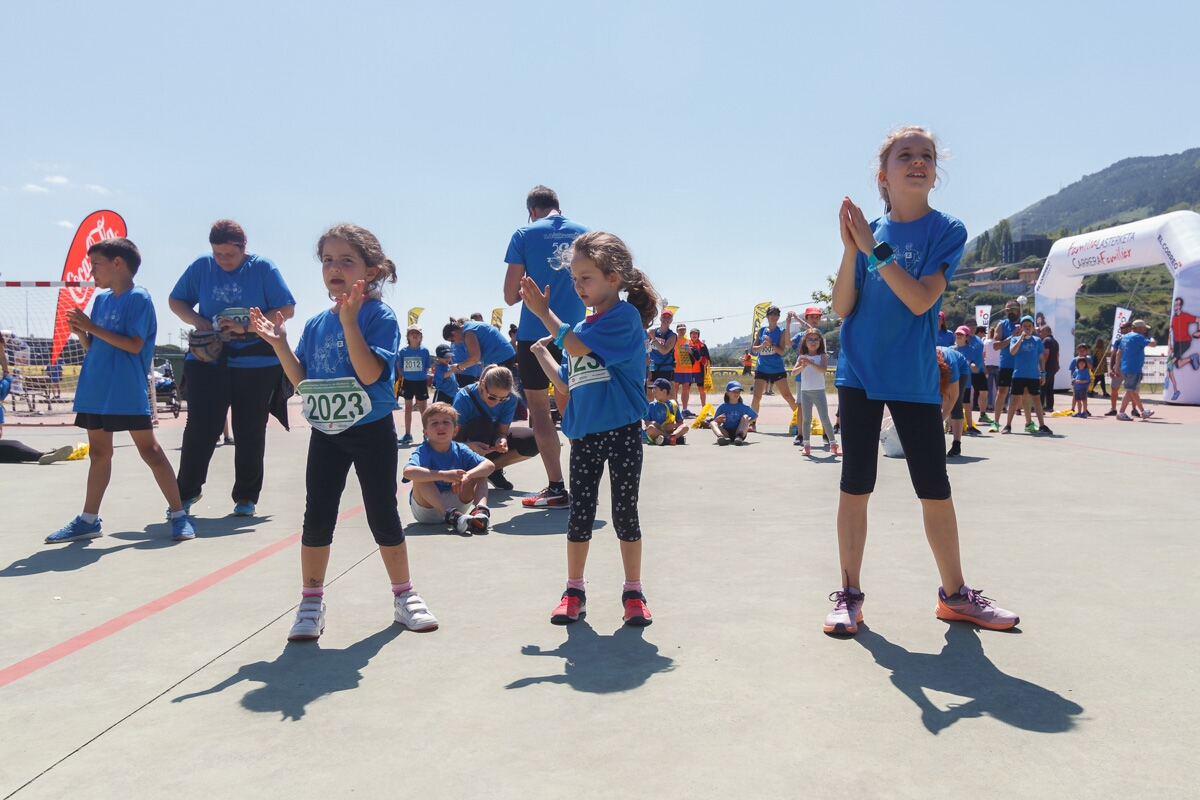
<point x="343" y="367"/>
<point x="732" y="418"/>
<point x="414" y="363"/>
<point x="769" y="345"/>
<point x="888" y="289"/>
<point x="600" y="388"/>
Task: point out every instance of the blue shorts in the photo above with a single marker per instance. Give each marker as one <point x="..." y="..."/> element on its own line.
<point x="687" y="377"/>
<point x="1132" y="380"/>
<point x="1080" y="392"/>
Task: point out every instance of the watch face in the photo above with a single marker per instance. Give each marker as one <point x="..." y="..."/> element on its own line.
<point x="883" y="250"/>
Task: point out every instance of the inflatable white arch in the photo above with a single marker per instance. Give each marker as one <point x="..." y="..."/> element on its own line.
<point x="1172" y="239"/>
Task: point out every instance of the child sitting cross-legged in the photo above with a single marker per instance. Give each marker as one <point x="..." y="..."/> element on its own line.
<point x="449" y="479"/>
<point x="733" y="417"/>
<point x="664" y="423"/>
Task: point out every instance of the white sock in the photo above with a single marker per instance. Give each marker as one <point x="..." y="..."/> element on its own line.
<point x="88" y="518"/>
<point x="178" y="514"/>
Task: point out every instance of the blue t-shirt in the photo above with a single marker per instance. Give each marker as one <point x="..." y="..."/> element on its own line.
<point x="945" y="338"/>
<point x="1133" y="353"/>
<point x="459" y="456"/>
<point x="1026" y="360"/>
<point x="656" y="412"/>
<point x="959" y="366"/>
<point x="771" y="362"/>
<point x="468" y="401"/>
<point x="256" y="283"/>
<point x="887" y="351"/>
<point x="607" y="386"/>
<point x="973" y="350"/>
<point x="541" y="247"/>
<point x="494" y="347"/>
<point x="414" y="364"/>
<point x="54" y="372"/>
<point x="660" y="362"/>
<point x="5" y="388"/>
<point x="733" y="414"/>
<point x="443" y="380"/>
<point x="459" y="354"/>
<point x="1081" y="378"/>
<point x="322" y="351"/>
<point x="1007" y="330"/>
<point x="112" y="381"/>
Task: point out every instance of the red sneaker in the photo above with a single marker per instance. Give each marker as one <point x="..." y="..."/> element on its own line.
<point x="548" y="498"/>
<point x="571" y="608"/>
<point x="636" y="612"/>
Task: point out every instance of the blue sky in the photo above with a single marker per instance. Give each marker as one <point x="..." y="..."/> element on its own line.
<point x="716" y="139"/>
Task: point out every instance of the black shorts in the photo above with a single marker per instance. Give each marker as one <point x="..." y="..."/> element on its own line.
<point x="532" y="375"/>
<point x="1005" y="377"/>
<point x="1022" y="385"/>
<point x="441" y="397"/>
<point x="770" y="377"/>
<point x="113" y="422"/>
<point x="979" y="382"/>
<point x="414" y="390"/>
<point x="669" y="374"/>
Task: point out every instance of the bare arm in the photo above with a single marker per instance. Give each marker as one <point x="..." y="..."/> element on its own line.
<point x="366" y="362"/>
<point x="918" y="294"/>
<point x="473" y="351"/>
<point x="512" y="283"/>
<point x="275" y="334"/>
<point x="550" y="367"/>
<point x="187" y="313"/>
<point x="538" y="302"/>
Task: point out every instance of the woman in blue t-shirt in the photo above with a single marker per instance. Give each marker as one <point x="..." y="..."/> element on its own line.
<point x="485" y="413"/>
<point x="600" y="386"/>
<point x="484" y="344"/>
<point x="216" y="293"/>
<point x="888" y="288"/>
<point x="769" y="345"/>
<point x="343" y="367"/>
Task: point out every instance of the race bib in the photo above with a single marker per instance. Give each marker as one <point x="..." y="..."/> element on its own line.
<point x="413" y="364"/>
<point x="582" y="370"/>
<point x="331" y="405"/>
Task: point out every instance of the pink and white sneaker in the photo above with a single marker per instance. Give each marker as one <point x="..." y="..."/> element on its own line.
<point x="847" y="611"/>
<point x="969" y="605"/>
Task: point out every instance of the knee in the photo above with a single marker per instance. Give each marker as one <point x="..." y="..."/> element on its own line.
<point x="313" y="538"/>
<point x="393" y="537"/>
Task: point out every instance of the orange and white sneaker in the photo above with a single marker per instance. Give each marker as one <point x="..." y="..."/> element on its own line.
<point x="969" y="605"/>
<point x="636" y="612"/>
<point x="572" y="606"/>
<point x="847" y="611"/>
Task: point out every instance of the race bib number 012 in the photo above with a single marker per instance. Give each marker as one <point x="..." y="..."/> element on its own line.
<point x="582" y="370"/>
<point x="332" y="405"/>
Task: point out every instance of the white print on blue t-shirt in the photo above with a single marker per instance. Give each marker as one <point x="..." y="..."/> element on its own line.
<point x="229" y="293"/>
<point x="330" y="354"/>
<point x="558" y="256"/>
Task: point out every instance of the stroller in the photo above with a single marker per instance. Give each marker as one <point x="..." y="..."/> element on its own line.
<point x="166" y="393"/>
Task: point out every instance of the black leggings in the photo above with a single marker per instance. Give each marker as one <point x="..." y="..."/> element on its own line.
<point x="212" y="390"/>
<point x="371" y="448"/>
<point x="956" y="411"/>
<point x="482" y="429"/>
<point x="919" y="426"/>
<point x="622" y="449"/>
<point x="13" y="452"/>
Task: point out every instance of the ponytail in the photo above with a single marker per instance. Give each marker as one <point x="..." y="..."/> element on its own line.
<point x="641" y="295"/>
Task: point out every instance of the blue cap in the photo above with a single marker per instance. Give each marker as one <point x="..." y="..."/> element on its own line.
<point x="662" y="383"/>
<point x="733" y="386"/>
<point x="1026" y="317"/>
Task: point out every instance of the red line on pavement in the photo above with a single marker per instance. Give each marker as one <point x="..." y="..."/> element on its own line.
<point x="115" y="625"/>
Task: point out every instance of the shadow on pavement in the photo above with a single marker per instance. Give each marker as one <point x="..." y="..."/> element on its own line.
<point x="303" y="673"/>
<point x="600" y="664"/>
<point x="962" y="669"/>
<point x="77" y="555"/>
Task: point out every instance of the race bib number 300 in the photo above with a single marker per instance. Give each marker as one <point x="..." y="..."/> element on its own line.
<point x="583" y="370"/>
<point x="332" y="405"/>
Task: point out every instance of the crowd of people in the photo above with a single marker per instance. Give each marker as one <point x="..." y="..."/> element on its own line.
<point x="593" y="346"/>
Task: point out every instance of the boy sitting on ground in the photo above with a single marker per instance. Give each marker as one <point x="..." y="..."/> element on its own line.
<point x="664" y="422"/>
<point x="448" y="478"/>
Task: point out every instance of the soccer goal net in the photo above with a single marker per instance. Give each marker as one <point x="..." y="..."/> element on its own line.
<point x="43" y="355"/>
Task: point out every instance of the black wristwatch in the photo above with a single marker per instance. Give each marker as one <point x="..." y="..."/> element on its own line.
<point x="882" y="254"/>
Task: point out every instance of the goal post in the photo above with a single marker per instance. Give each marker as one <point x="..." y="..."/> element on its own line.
<point x="44" y="357"/>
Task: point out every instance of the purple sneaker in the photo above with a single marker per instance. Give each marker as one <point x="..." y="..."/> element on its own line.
<point x="847" y="611"/>
<point x="969" y="605"/>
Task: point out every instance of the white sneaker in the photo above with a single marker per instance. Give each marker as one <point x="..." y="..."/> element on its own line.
<point x="463" y="524"/>
<point x="412" y="613"/>
<point x="310" y="620"/>
<point x="1147" y="414"/>
<point x="1124" y="417"/>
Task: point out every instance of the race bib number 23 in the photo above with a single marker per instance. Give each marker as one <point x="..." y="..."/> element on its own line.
<point x="332" y="405"/>
<point x="582" y="370"/>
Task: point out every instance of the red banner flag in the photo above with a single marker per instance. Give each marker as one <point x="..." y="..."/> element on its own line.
<point x="98" y="226"/>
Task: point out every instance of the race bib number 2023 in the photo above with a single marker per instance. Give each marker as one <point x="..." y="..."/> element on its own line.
<point x="582" y="370"/>
<point x="332" y="405"/>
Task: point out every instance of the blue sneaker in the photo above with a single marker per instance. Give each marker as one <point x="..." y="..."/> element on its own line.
<point x="187" y="506"/>
<point x="76" y="530"/>
<point x="406" y="439"/>
<point x="182" y="529"/>
<point x="245" y="509"/>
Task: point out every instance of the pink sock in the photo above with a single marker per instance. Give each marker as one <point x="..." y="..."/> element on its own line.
<point x="633" y="586"/>
<point x="575" y="583"/>
<point x="401" y="588"/>
<point x="312" y="591"/>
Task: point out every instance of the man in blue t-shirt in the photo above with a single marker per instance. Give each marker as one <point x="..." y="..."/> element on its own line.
<point x="540" y="250"/>
<point x="1002" y="335"/>
<point x="1133" y="359"/>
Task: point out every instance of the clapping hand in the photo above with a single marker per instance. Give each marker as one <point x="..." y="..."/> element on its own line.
<point x="79" y="322"/>
<point x="348" y="305"/>
<point x="271" y="332"/>
<point x="535" y="299"/>
<point x="855" y="227"/>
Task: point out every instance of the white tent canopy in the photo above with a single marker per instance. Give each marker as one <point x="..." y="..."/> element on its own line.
<point x="1173" y="239"/>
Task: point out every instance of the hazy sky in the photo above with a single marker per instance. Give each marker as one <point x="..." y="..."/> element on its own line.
<point x="717" y="139"/>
